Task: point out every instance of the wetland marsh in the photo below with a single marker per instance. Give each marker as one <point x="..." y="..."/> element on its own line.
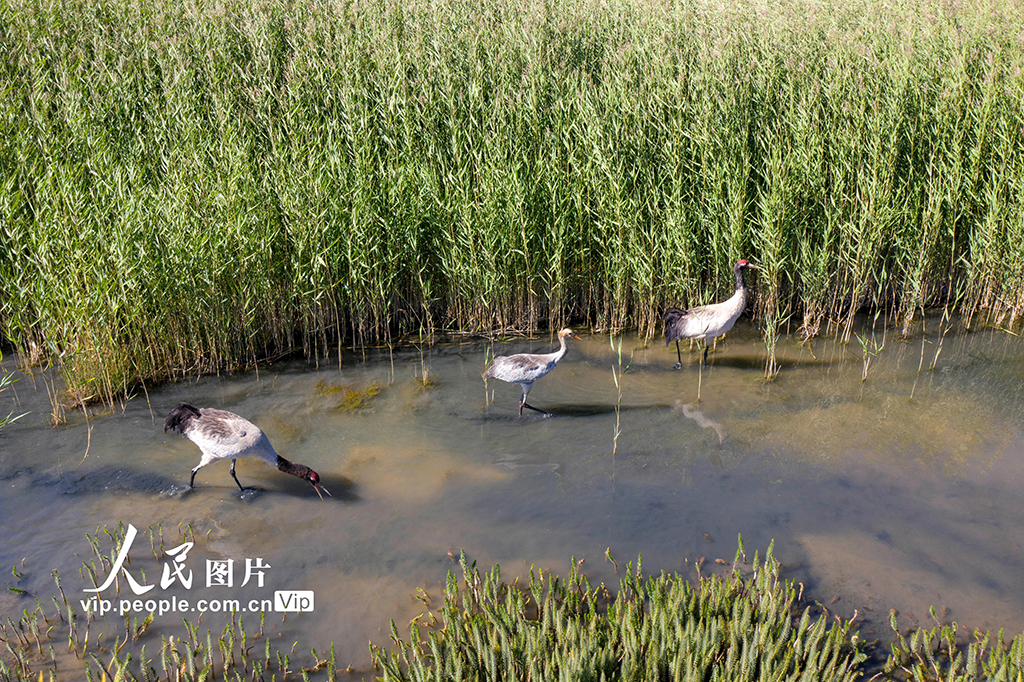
<point x="876" y="500"/>
<point x="191" y="190"/>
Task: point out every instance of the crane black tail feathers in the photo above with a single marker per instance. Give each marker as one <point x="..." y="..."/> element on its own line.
<point x="672" y="317"/>
<point x="179" y="418"/>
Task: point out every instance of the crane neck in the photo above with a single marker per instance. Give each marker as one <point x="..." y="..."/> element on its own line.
<point x="740" y="284"/>
<point x="265" y="451"/>
<point x="561" y="347"/>
<point x="292" y="468"/>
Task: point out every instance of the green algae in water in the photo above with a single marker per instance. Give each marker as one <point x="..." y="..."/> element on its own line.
<point x="350" y="398"/>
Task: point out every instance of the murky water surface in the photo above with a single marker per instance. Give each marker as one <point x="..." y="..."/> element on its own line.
<point x="903" y="491"/>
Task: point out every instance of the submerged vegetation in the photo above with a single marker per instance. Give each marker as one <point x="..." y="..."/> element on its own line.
<point x="190" y="186"/>
<point x="350" y="397"/>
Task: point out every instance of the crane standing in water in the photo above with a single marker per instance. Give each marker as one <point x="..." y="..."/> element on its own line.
<point x="225" y="435"/>
<point x="707" y="321"/>
<point x="525" y="368"/>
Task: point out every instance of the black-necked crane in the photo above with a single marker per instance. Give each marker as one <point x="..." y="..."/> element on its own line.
<point x="707" y="321"/>
<point x="524" y="369"/>
<point x="224" y="435"/>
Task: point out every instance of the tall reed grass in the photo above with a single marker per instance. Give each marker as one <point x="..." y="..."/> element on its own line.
<point x="189" y="186"/>
<point x="6" y="381"/>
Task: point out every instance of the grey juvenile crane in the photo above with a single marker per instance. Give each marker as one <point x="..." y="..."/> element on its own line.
<point x="525" y="368"/>
<point x="225" y="435"/>
<point x="707" y="321"/>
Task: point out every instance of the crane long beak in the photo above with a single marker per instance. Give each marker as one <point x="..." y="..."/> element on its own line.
<point x="576" y="337"/>
<point x="318" y="488"/>
<point x="752" y="266"/>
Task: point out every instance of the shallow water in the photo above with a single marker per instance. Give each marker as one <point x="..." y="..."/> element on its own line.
<point x="875" y="500"/>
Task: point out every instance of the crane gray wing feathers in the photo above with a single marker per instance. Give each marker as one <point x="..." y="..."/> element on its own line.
<point x="521" y="368"/>
<point x="687" y="324"/>
<point x="705" y="321"/>
<point x="222" y="434"/>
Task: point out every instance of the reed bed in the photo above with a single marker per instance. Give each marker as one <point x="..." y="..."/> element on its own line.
<point x="192" y="186"/>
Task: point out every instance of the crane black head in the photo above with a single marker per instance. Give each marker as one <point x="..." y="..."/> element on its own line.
<point x="314" y="480"/>
<point x="304" y="472"/>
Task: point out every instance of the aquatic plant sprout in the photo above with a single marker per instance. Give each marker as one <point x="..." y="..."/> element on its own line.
<point x="189" y="187"/>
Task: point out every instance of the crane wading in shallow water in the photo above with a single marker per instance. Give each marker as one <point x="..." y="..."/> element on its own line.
<point x="525" y="368"/>
<point x="225" y="435"/>
<point x="707" y="321"/>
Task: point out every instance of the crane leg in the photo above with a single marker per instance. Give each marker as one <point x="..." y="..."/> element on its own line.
<point x="235" y="477"/>
<point x="679" y="356"/>
<point x="523" y="403"/>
